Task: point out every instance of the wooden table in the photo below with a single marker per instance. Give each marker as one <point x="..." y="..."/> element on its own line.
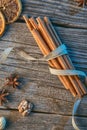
<point x="53" y="104"/>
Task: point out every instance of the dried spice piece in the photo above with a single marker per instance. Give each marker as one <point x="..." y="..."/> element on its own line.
<point x="2" y="24"/>
<point x="12" y="81"/>
<point x="25" y="107"/>
<point x="11" y="9"/>
<point x="3" y="95"/>
<point x="80" y="2"/>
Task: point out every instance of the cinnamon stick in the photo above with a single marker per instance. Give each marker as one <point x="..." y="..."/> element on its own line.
<point x="52" y="63"/>
<point x="78" y="81"/>
<point x="67" y="60"/>
<point x="65" y="57"/>
<point x="60" y="60"/>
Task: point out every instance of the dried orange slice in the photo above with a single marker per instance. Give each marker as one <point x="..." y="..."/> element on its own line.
<point x="2" y="24"/>
<point x="11" y="9"/>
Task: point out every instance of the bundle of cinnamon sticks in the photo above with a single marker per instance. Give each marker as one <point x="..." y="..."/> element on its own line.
<point x="48" y="40"/>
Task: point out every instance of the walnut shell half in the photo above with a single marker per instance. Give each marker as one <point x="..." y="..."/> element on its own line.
<point x="11" y="9"/>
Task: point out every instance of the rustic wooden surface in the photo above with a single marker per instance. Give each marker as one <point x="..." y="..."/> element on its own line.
<point x="52" y="103"/>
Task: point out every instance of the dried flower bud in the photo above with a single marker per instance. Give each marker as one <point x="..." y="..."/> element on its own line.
<point x="12" y="80"/>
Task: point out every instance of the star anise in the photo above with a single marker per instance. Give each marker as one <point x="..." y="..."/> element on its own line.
<point x="3" y="95"/>
<point x="12" y="81"/>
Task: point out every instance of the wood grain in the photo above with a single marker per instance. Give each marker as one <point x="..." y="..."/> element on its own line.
<point x="18" y="35"/>
<point x="53" y="104"/>
<point x="36" y="121"/>
<point x="64" y="13"/>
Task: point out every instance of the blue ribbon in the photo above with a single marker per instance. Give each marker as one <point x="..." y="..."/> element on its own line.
<point x="61" y="50"/>
<point x="75" y="108"/>
<point x="66" y="72"/>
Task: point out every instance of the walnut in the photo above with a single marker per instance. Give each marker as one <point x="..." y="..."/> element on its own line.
<point x="25" y="107"/>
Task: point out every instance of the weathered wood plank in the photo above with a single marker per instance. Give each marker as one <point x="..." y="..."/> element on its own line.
<point x="40" y="121"/>
<point x="51" y="87"/>
<point x="65" y="13"/>
<point x="46" y="93"/>
<point x="51" y="100"/>
<point x="36" y="121"/>
<point x="18" y="35"/>
<point x="48" y="99"/>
